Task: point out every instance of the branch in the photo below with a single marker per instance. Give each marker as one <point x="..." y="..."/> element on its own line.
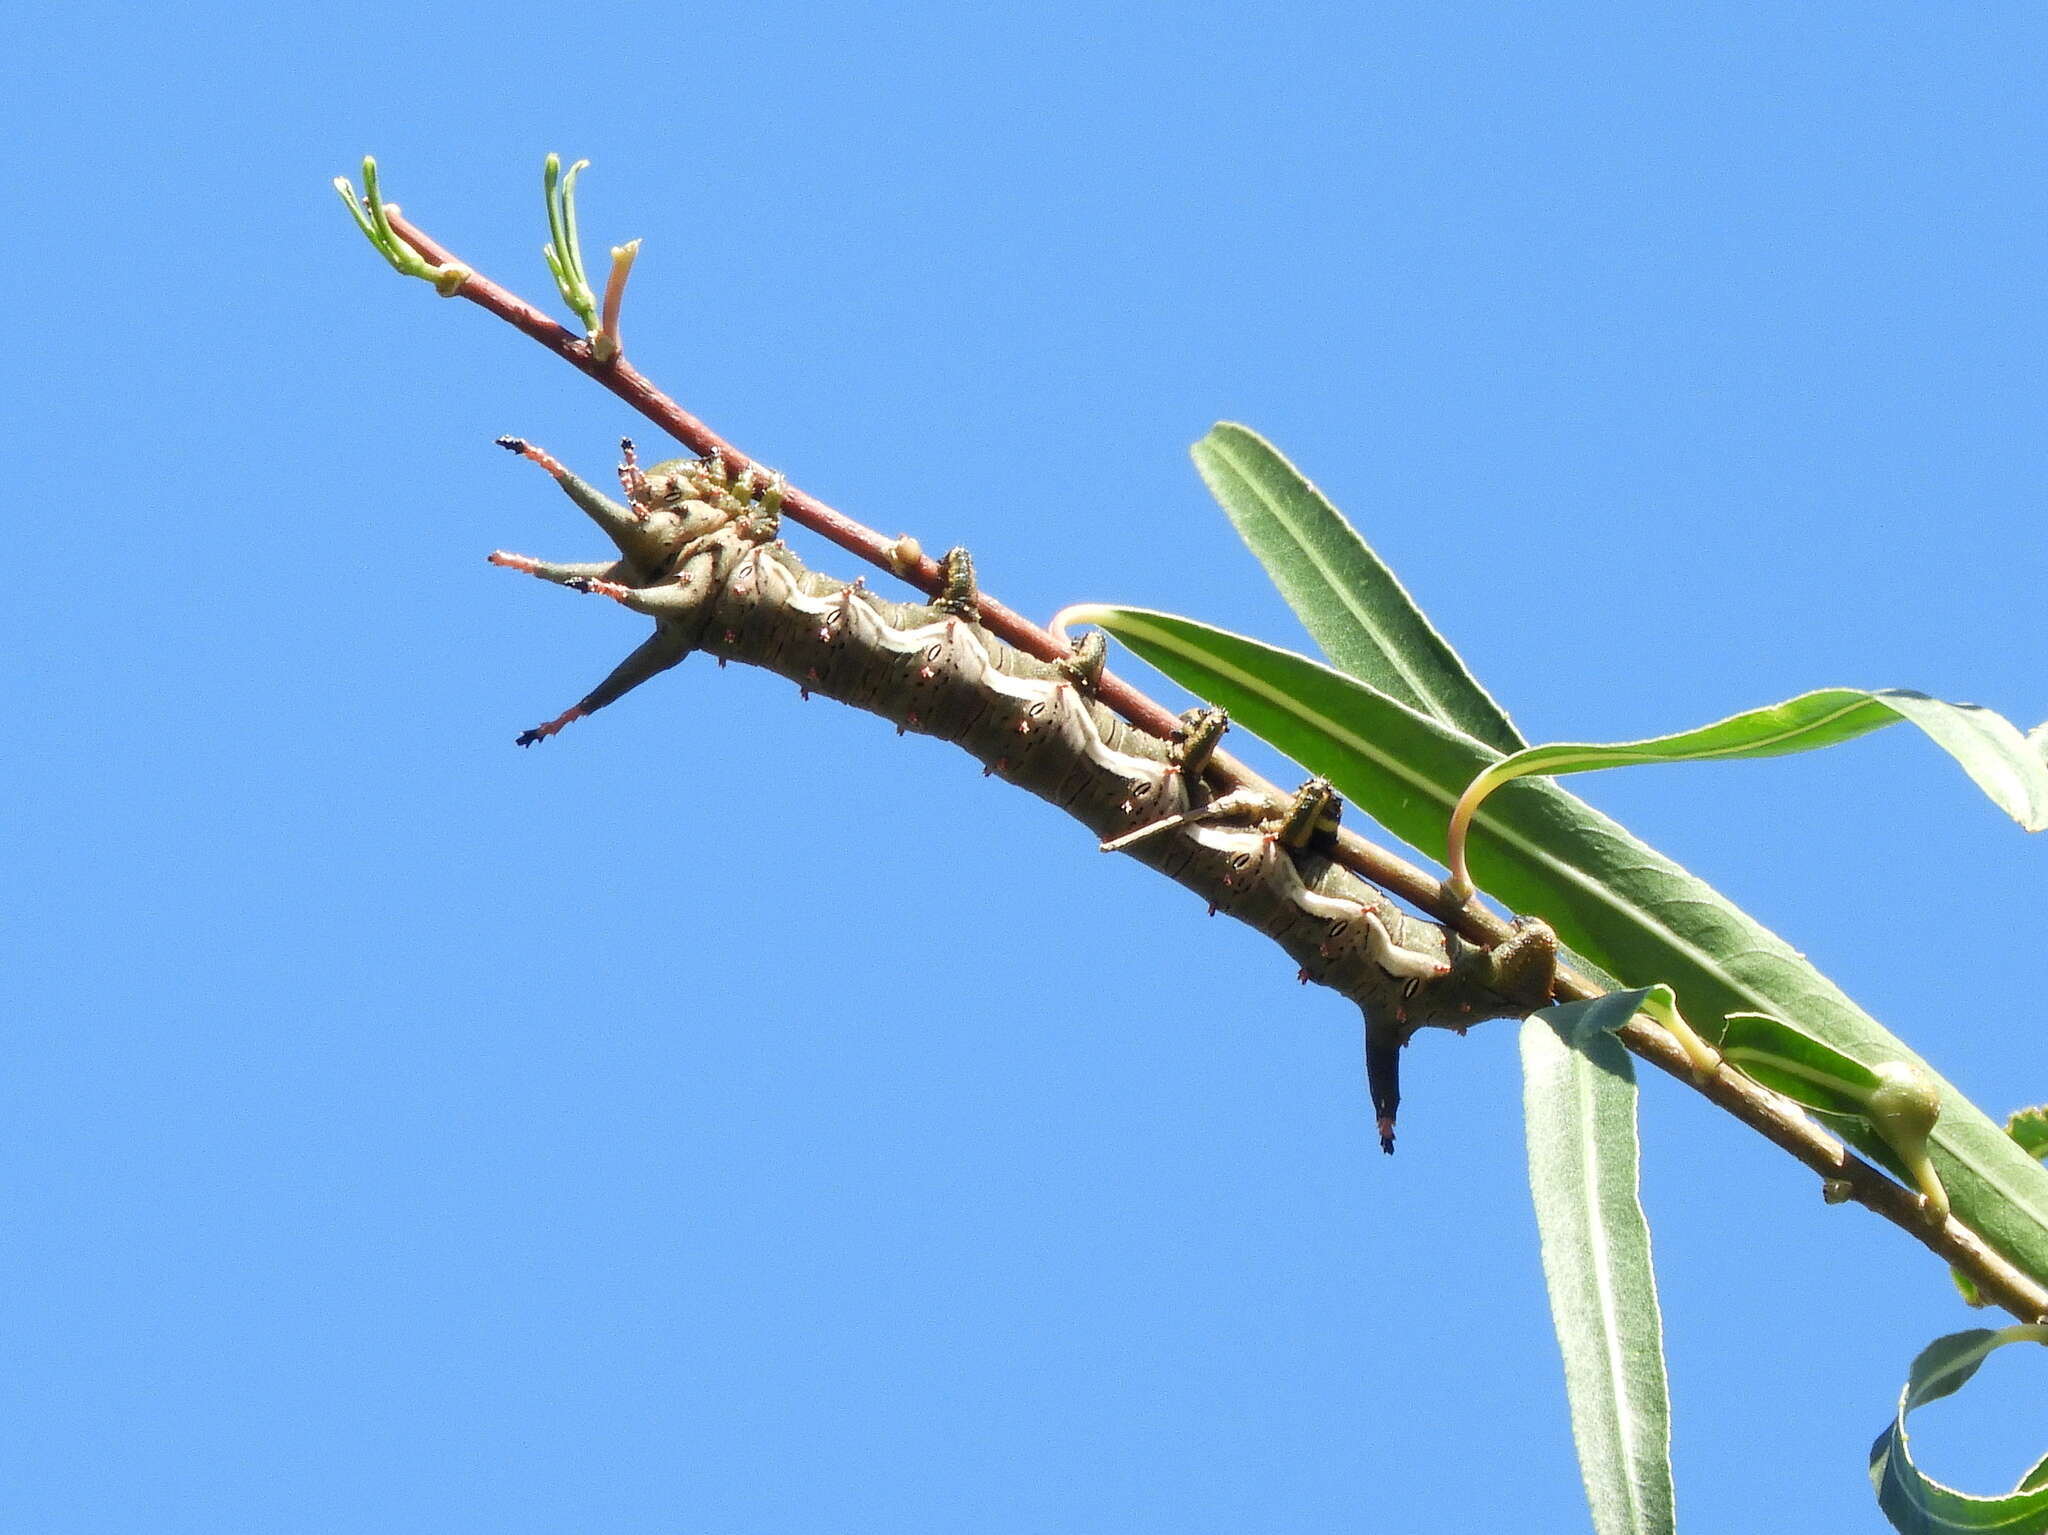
<point x="1771" y="1116"/>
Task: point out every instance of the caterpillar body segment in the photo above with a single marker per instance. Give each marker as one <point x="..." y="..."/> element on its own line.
<point x="704" y="565"/>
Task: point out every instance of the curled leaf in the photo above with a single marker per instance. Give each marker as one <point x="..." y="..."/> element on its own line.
<point x="2012" y="769"/>
<point x="1913" y="1501"/>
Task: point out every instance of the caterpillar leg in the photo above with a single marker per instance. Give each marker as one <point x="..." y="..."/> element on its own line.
<point x="1314" y="808"/>
<point x="1084" y="667"/>
<point x="1195" y="742"/>
<point x="958" y="592"/>
<point x="661" y="650"/>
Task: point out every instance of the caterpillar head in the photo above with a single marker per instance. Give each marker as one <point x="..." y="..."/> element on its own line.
<point x="682" y="499"/>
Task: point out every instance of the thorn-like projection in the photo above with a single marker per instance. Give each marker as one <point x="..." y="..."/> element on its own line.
<point x="598" y="588"/>
<point x="647" y="542"/>
<point x="574" y="576"/>
<point x="633" y="480"/>
<point x="958" y="593"/>
<point x="1383" y="1079"/>
<point x="1084" y="667"/>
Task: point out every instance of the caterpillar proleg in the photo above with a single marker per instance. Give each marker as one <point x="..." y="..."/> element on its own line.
<point x="699" y="555"/>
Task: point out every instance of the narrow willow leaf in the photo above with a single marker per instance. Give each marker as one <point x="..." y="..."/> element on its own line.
<point x="1360" y="615"/>
<point x="2005" y="765"/>
<point x="1579" y="1100"/>
<point x="1915" y="1503"/>
<point x="1624" y="906"/>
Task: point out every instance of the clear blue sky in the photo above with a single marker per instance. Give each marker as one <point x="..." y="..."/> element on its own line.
<point x="730" y="1118"/>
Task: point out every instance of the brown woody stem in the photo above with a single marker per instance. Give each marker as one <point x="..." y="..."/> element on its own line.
<point x="1771" y="1116"/>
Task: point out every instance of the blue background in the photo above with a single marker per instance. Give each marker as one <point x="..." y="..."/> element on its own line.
<point x="730" y="1118"/>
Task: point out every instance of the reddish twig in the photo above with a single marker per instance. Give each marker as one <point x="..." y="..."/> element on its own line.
<point x="1389" y="871"/>
<point x="1773" y="1117"/>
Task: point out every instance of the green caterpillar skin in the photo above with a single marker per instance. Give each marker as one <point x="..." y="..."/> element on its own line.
<point x="713" y="579"/>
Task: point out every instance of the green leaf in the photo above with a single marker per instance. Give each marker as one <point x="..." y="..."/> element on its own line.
<point x="2029" y="1129"/>
<point x="2006" y="765"/>
<point x="564" y="250"/>
<point x="1360" y="616"/>
<point x="1792" y="1062"/>
<point x="1624" y="906"/>
<point x="1900" y="1103"/>
<point x="374" y="220"/>
<point x="1915" y="1503"/>
<point x="1579" y="1098"/>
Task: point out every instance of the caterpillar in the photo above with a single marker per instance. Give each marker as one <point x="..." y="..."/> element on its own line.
<point x="698" y="554"/>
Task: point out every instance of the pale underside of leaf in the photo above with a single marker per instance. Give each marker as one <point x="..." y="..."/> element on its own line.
<point x="1579" y="1098"/>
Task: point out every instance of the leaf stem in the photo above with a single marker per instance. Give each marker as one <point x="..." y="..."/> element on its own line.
<point x="1663" y="1006"/>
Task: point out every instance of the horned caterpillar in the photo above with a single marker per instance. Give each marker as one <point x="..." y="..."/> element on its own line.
<point x="698" y="554"/>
